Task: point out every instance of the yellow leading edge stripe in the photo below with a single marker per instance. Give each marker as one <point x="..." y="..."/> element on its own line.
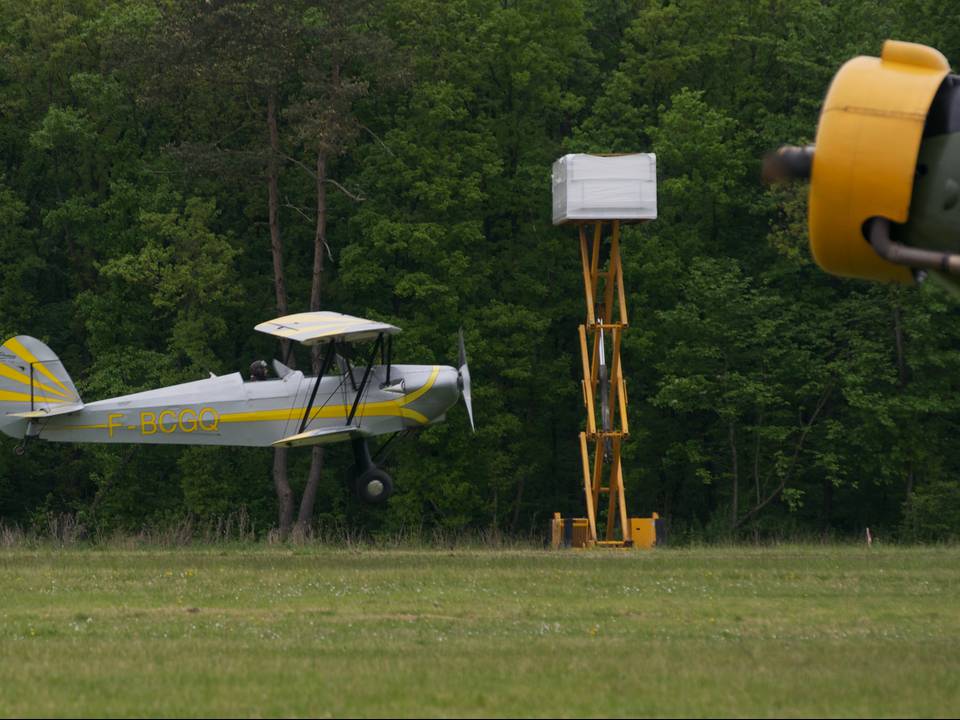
<point x="325" y="328"/>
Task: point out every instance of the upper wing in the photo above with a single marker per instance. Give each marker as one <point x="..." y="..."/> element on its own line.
<point x="311" y="328"/>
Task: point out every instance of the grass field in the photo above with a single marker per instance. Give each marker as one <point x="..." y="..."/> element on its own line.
<point x="262" y="630"/>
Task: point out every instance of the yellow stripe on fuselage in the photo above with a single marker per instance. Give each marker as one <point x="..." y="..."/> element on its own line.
<point x="328" y="411"/>
<point x="407" y="399"/>
<point x="17" y="348"/>
<point x="384" y="408"/>
<point x="17" y="376"/>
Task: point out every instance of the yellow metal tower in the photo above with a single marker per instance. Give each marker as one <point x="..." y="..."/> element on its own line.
<point x="604" y="389"/>
<point x="598" y="193"/>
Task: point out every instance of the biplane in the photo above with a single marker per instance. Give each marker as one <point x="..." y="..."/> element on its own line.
<point x="343" y="402"/>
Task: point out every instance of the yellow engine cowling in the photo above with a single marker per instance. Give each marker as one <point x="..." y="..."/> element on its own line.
<point x="867" y="143"/>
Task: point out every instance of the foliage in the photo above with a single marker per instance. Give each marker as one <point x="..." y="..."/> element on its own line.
<point x="932" y="512"/>
<point x="135" y="225"/>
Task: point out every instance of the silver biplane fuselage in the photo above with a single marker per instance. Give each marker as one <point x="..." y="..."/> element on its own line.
<point x="39" y="400"/>
<point x="226" y="410"/>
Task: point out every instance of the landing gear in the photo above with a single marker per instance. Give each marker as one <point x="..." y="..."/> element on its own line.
<point x="20" y="448"/>
<point x="371" y="483"/>
<point x="374" y="486"/>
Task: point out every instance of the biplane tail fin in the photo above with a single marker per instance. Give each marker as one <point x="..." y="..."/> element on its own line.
<point x="33" y="383"/>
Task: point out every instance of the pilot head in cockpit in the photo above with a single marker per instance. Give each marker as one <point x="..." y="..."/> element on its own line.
<point x="258" y="370"/>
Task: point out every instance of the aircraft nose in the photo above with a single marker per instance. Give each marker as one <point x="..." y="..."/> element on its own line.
<point x="436" y="394"/>
<point x="448" y="386"/>
<point x="444" y="392"/>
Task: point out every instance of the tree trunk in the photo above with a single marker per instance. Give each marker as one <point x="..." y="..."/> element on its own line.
<point x="735" y="510"/>
<point x="756" y="459"/>
<point x="273" y="195"/>
<point x="515" y="520"/>
<point x="319" y="237"/>
<point x="902" y="376"/>
<point x="310" y="491"/>
<point x="316" y="295"/>
<point x="280" y="482"/>
<point x="898" y="339"/>
<point x="827" y="505"/>
<point x="284" y="492"/>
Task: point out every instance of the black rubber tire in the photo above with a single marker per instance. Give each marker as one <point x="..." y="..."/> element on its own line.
<point x="374" y="486"/>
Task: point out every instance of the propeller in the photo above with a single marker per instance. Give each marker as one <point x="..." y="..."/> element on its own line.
<point x="463" y="381"/>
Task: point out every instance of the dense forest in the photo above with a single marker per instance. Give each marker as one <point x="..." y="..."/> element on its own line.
<point x="174" y="172"/>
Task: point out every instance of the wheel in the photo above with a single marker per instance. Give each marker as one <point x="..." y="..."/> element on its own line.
<point x="374" y="486"/>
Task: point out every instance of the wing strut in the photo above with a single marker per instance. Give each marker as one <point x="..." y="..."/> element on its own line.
<point x="327" y="359"/>
<point x="389" y="356"/>
<point x="366" y="375"/>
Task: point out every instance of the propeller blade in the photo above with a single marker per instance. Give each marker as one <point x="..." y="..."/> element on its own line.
<point x="464" y="374"/>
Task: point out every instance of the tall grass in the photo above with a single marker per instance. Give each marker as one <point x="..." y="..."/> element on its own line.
<point x="69" y="530"/>
<point x="237" y="528"/>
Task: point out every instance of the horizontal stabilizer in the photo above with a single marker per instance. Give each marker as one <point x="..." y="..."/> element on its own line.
<point x="44" y="412"/>
<point x="322" y="436"/>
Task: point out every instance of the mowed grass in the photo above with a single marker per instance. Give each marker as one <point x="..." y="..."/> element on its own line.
<point x="261" y="630"/>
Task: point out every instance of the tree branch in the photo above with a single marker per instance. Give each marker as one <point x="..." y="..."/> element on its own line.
<point x="299" y="211"/>
<point x="309" y="171"/>
<point x="821" y="403"/>
<point x="341" y="188"/>
<point x="377" y="138"/>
